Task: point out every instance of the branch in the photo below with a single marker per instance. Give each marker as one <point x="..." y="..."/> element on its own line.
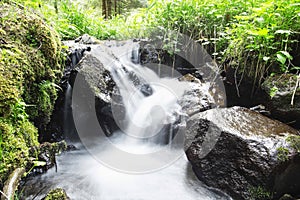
<point x="294" y="93"/>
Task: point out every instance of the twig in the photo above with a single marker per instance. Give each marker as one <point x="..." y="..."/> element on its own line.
<point x="4" y="194"/>
<point x="297" y="84"/>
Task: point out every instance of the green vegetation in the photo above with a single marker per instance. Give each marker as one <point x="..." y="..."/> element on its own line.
<point x="57" y="194"/>
<point x="282" y="154"/>
<point x="294" y="142"/>
<point x="30" y="64"/>
<point x="255" y="37"/>
<point x="260" y="193"/>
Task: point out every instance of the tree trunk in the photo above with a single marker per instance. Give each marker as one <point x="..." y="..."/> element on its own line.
<point x="109" y="6"/>
<point x="104" y="8"/>
<point x="116" y="8"/>
<point x="56" y="6"/>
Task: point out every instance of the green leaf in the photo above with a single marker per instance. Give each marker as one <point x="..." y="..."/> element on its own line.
<point x="266" y="58"/>
<point x="283" y="32"/>
<point x="287" y="55"/>
<point x="38" y="163"/>
<point x="259" y="32"/>
<point x="273" y="91"/>
<point x="281" y="58"/>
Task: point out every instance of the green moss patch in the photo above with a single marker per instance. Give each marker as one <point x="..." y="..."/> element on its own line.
<point x="30" y="67"/>
<point x="57" y="194"/>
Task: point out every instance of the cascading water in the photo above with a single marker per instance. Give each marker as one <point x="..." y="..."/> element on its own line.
<point x="67" y="111"/>
<point x="150" y="101"/>
<point x="152" y="111"/>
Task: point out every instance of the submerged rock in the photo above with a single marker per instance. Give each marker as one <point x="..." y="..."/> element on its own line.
<point x="244" y="153"/>
<point x="47" y="154"/>
<point x="283" y="91"/>
<point x="57" y="194"/>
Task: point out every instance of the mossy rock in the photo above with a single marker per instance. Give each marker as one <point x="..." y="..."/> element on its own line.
<point x="30" y="67"/>
<point x="284" y="98"/>
<point x="57" y="194"/>
<point x="30" y="58"/>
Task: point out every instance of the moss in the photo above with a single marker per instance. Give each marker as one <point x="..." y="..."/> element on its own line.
<point x="294" y="142"/>
<point x="33" y="51"/>
<point x="56" y="194"/>
<point x="260" y="193"/>
<point x="282" y="154"/>
<point x="30" y="66"/>
<point x="16" y="141"/>
<point x="281" y="84"/>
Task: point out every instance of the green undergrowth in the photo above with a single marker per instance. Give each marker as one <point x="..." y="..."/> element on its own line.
<point x="257" y="38"/>
<point x="30" y="65"/>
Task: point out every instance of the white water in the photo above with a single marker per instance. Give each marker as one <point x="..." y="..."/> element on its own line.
<point x="84" y="176"/>
<point x="146" y="115"/>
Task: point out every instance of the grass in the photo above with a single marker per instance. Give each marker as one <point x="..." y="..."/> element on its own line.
<point x="257" y="38"/>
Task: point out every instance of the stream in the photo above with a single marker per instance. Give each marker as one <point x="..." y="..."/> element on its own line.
<point x="83" y="177"/>
<point x="144" y="160"/>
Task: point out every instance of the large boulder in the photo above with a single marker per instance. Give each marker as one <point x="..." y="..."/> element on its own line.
<point x="244" y="153"/>
<point x="96" y="82"/>
<point x="284" y="98"/>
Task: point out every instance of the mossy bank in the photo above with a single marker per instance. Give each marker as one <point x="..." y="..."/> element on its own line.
<point x="30" y="68"/>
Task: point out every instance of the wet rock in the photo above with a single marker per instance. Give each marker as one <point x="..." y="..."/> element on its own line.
<point x="47" y="154"/>
<point x="57" y="194"/>
<point x="287" y="197"/>
<point x="149" y="54"/>
<point x="87" y="39"/>
<point x="200" y="96"/>
<point x="146" y="90"/>
<point x="243" y="153"/>
<point x="71" y="147"/>
<point x="280" y="89"/>
<point x="12" y="183"/>
<point x="95" y="86"/>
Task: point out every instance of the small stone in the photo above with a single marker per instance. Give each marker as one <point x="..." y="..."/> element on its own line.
<point x="287" y="197"/>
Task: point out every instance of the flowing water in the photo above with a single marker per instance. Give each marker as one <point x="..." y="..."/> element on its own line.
<point x="158" y="170"/>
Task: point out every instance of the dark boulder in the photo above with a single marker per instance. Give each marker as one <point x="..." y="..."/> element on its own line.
<point x="244" y="153"/>
<point x="96" y="88"/>
<point x="284" y="98"/>
<point x="200" y="96"/>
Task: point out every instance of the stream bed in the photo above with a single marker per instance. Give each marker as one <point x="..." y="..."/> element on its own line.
<point x="83" y="177"/>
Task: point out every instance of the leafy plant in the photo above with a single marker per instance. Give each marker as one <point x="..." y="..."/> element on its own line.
<point x="18" y="112"/>
<point x="35" y="163"/>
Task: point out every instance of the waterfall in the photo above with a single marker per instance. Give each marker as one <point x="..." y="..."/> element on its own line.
<point x="138" y="162"/>
<point x="151" y="102"/>
<point x="68" y="126"/>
